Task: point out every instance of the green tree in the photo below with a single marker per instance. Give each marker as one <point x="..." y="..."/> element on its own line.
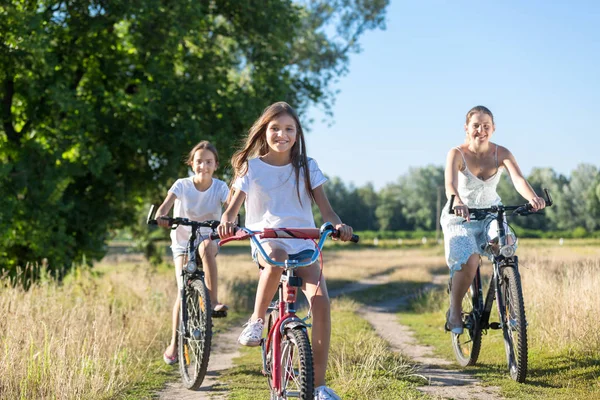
<point x="368" y="200"/>
<point x="389" y="210"/>
<point x="101" y="99"/>
<point x="418" y="191"/>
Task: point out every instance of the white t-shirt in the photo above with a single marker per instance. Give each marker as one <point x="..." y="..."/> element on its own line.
<point x="272" y="199"/>
<point x="196" y="205"/>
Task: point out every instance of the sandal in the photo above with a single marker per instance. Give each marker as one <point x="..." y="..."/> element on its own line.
<point x="170" y="360"/>
<point x="455" y="329"/>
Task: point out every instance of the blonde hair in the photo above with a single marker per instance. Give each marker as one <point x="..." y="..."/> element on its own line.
<point x="255" y="145"/>
<point x="479" y="109"/>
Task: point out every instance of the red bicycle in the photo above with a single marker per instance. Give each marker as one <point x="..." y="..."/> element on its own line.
<point x="286" y="351"/>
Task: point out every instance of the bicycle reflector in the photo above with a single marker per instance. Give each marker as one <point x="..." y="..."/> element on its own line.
<point x="508" y="250"/>
<point x="191" y="266"/>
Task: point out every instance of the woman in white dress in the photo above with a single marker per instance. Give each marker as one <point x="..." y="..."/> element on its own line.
<point x="472" y="173"/>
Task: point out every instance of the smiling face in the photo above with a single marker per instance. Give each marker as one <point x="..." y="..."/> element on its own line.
<point x="281" y="133"/>
<point x="204" y="163"/>
<point x="479" y="128"/>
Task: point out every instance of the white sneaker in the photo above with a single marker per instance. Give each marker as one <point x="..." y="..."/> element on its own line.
<point x="252" y="333"/>
<point x="326" y="393"/>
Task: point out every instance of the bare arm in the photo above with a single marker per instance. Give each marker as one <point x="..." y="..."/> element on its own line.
<point x="164" y="209"/>
<point x="453" y="165"/>
<point x="329" y="215"/>
<point x="226" y="229"/>
<point x="519" y="181"/>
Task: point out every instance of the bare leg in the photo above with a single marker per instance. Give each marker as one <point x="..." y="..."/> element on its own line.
<point x="172" y="349"/>
<point x="208" y="253"/>
<point x="268" y="281"/>
<point x="321" y="329"/>
<point x="461" y="280"/>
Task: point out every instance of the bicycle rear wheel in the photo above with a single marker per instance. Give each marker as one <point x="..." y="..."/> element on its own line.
<point x="194" y="348"/>
<point x="514" y="324"/>
<point x="296" y="378"/>
<point x="467" y="345"/>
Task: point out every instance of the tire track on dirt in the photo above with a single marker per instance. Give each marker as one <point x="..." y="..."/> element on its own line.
<point x="443" y="383"/>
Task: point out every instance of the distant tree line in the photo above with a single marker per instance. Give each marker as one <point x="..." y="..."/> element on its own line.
<point x="410" y="202"/>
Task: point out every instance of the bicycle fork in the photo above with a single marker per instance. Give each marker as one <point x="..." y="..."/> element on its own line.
<point x="287" y="319"/>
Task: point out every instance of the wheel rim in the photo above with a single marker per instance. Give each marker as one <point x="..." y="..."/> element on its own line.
<point x="464" y="342"/>
<point x="512" y="325"/>
<point x="290" y="366"/>
<point x="194" y="343"/>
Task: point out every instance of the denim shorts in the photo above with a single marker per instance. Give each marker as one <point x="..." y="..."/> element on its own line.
<point x="303" y="255"/>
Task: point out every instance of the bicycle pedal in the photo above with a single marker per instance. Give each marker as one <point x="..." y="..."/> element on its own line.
<point x="219" y="314"/>
<point x="495" y="325"/>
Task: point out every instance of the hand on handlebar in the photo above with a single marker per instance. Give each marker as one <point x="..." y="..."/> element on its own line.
<point x="345" y="232"/>
<point x="461" y="210"/>
<point x="163" y="221"/>
<point x="226" y="229"/>
<point x="537" y="203"/>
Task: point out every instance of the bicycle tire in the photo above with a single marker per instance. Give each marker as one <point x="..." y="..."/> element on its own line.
<point x="467" y="345"/>
<point x="514" y="324"/>
<point x="194" y="350"/>
<point x="296" y="366"/>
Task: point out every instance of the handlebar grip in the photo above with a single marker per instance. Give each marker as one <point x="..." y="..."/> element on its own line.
<point x="149" y="219"/>
<point x="353" y="239"/>
<point x="549" y="201"/>
<point x="450" y="209"/>
<point x="214" y="236"/>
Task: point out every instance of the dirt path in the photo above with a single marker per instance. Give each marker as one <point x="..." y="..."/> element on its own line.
<point x="443" y="383"/>
<point x="225" y="348"/>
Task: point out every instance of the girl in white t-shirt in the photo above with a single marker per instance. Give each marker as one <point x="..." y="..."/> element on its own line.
<point x="198" y="198"/>
<point x="278" y="184"/>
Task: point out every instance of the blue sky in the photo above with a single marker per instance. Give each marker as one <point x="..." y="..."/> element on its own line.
<point x="535" y="64"/>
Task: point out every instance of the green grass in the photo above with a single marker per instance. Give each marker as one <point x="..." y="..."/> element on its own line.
<point x="552" y="374"/>
<point x="360" y="364"/>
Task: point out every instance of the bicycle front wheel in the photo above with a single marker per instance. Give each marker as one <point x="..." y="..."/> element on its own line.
<point x="514" y="324"/>
<point x="296" y="378"/>
<point x="194" y="346"/>
<point x="467" y="345"/>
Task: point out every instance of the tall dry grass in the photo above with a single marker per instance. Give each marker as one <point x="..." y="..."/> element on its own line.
<point x="562" y="298"/>
<point x="90" y="338"/>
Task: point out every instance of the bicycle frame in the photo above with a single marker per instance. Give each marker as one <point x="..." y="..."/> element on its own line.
<point x="498" y="262"/>
<point x="286" y="306"/>
<point x="186" y="276"/>
<point x="288" y="285"/>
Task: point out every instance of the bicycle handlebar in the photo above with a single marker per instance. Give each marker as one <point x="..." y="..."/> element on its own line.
<point x="326" y="230"/>
<point x="174" y="222"/>
<point x="524" y="209"/>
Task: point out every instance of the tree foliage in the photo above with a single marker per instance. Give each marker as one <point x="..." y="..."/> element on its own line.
<point x="410" y="202"/>
<point x="100" y="100"/>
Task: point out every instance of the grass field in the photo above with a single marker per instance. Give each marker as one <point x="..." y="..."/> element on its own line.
<point x="561" y="298"/>
<point x="101" y="333"/>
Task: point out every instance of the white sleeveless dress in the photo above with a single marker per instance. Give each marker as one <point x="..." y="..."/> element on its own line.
<point x="462" y="238"/>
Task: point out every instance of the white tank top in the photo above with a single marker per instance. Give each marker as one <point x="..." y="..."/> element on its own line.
<point x="475" y="192"/>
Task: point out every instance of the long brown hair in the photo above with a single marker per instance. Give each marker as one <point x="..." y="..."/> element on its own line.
<point x="203" y="145"/>
<point x="255" y="145"/>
